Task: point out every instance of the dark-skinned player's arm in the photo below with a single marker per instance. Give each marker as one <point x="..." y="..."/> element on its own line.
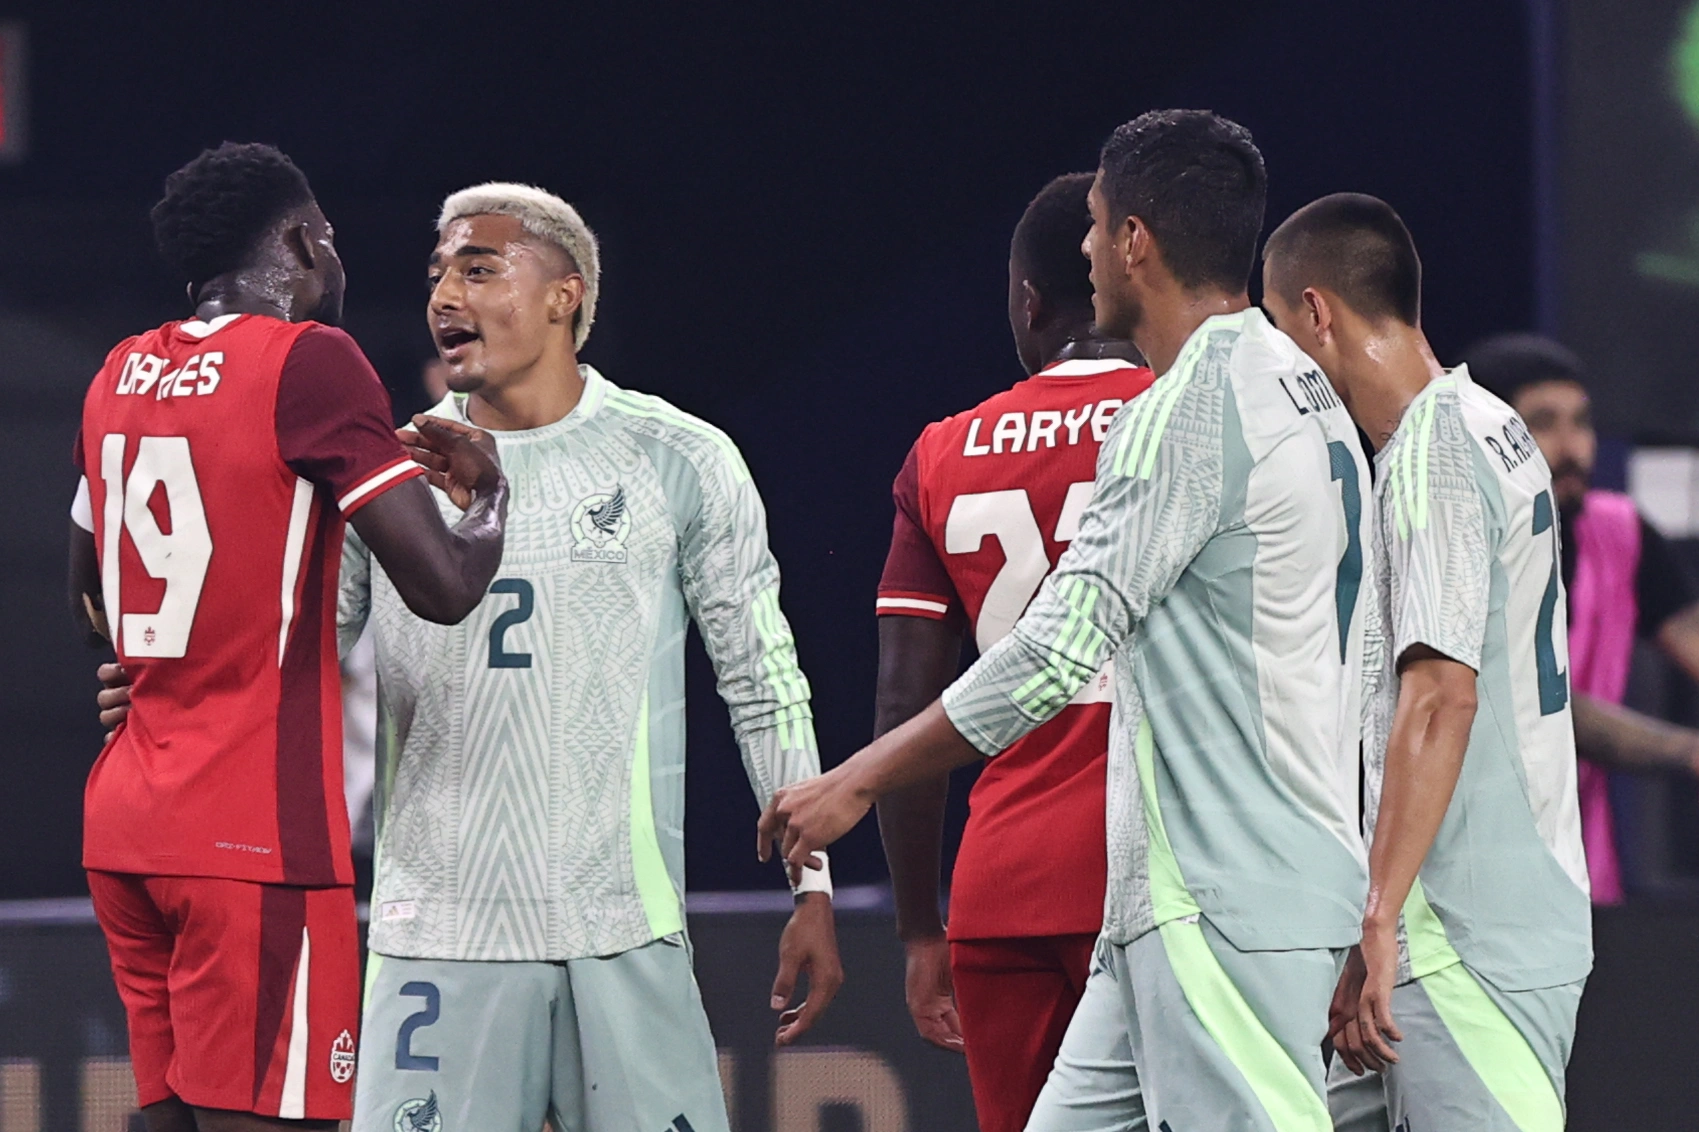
<point x="440" y="572"/>
<point x="920" y="649"/>
<point x="1424" y="757"/>
<point x="1155" y="503"/>
<point x="918" y="657"/>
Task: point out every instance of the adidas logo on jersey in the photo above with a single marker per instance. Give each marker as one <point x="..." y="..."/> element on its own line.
<point x="600" y="525"/>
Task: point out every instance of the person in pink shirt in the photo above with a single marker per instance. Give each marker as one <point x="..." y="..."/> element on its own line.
<point x="1624" y="582"/>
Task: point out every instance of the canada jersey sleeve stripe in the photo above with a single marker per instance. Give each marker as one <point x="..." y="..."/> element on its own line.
<point x="377" y="483"/>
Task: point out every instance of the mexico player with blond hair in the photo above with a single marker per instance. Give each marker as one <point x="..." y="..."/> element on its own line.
<point x="529" y="957"/>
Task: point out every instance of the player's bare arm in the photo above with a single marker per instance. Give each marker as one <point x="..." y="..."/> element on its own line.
<point x="441" y="572"/>
<point x="918" y="657"/>
<point x="1424" y="757"/>
<point x="88" y="612"/>
<point x="805" y="818"/>
<point x="1620" y="738"/>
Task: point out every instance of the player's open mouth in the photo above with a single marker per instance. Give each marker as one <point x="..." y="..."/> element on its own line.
<point x="453" y="339"/>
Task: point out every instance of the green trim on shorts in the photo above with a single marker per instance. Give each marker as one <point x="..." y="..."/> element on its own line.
<point x="374" y="963"/>
<point x="1281" y="1086"/>
<point x="654" y="883"/>
<point x="1495" y="1049"/>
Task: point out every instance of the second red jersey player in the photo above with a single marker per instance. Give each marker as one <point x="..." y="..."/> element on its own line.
<point x="987" y="501"/>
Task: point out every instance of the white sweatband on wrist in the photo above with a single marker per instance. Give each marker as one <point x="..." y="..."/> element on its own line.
<point x="815" y="880"/>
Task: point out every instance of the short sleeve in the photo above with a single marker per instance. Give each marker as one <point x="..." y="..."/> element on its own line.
<point x="1663" y="587"/>
<point x="915" y="582"/>
<point x="1437" y="541"/>
<point x="333" y="420"/>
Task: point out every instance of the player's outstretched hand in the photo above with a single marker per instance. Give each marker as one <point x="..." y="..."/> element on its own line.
<point x="1342" y="1014"/>
<point x="808" y="816"/>
<point x="114" y="697"/>
<point x="1374" y="1006"/>
<point x="459" y="460"/>
<point x="931" y="993"/>
<point x="808" y="946"/>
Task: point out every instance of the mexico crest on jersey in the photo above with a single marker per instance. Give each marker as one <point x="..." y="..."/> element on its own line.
<point x="599" y="527"/>
<point x="419" y="1116"/>
<point x="342" y="1058"/>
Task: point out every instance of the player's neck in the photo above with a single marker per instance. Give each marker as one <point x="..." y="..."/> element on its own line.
<point x="1391" y="367"/>
<point x="1174" y="316"/>
<point x="543" y="395"/>
<point x="1085" y="344"/>
<point x="222" y="296"/>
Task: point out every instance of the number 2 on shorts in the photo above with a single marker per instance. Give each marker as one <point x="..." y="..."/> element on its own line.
<point x="427" y="1015"/>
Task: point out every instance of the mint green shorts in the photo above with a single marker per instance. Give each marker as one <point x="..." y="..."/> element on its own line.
<point x="1204" y="1038"/>
<point x="592" y="1045"/>
<point x="1474" y="1059"/>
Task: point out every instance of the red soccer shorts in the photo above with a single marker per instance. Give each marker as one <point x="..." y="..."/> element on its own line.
<point x="239" y="995"/>
<point x="1014" y="998"/>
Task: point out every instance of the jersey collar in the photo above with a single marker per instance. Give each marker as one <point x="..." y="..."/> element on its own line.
<point x="589" y="404"/>
<point x="1083" y="367"/>
<point x="195" y="328"/>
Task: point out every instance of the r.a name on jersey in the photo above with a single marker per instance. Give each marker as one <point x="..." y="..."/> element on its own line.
<point x="1315" y="393"/>
<point x="1023" y="432"/>
<point x="145" y="373"/>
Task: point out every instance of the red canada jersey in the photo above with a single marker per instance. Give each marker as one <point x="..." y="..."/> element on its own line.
<point x="986" y="503"/>
<point x="221" y="460"/>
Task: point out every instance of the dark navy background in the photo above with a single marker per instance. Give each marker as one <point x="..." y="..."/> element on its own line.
<point x="804" y="214"/>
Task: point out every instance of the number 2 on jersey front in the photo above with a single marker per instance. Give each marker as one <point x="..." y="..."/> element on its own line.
<point x="518" y="615"/>
<point x="179" y="558"/>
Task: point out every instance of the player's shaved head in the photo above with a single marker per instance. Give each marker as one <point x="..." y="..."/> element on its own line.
<point x="1046" y="245"/>
<point x="1353" y="246"/>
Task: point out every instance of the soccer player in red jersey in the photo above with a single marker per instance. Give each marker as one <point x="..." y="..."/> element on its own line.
<point x="986" y="503"/>
<point x="222" y="456"/>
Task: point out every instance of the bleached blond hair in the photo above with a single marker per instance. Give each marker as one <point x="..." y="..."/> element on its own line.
<point x="546" y="217"/>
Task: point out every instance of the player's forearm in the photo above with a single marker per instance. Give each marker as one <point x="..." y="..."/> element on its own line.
<point x="911" y="826"/>
<point x="926" y="748"/>
<point x="87" y="609"/>
<point x="440" y="572"/>
<point x="1424" y="758"/>
<point x="1620" y="739"/>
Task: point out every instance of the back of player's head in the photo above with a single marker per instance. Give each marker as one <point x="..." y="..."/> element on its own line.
<point x="218" y="207"/>
<point x="1355" y="246"/>
<point x="1508" y="363"/>
<point x="1197" y="182"/>
<point x="549" y="219"/>
<point x="1046" y="245"/>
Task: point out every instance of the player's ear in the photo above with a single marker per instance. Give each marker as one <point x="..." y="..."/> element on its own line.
<point x="298" y="242"/>
<point x="1320" y="313"/>
<point x="1135" y="242"/>
<point x="565" y="297"/>
<point x="1033" y="308"/>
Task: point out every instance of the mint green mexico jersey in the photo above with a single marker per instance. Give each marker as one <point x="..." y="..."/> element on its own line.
<point x="1469" y="567"/>
<point x="530" y="803"/>
<point x="1219" y="565"/>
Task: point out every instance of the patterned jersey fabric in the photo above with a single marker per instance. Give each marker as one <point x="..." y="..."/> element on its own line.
<point x="531" y="795"/>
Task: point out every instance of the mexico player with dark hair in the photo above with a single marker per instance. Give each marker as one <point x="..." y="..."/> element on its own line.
<point x="222" y="456"/>
<point x="986" y="502"/>
<point x="1477" y="938"/>
<point x="1217" y="564"/>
